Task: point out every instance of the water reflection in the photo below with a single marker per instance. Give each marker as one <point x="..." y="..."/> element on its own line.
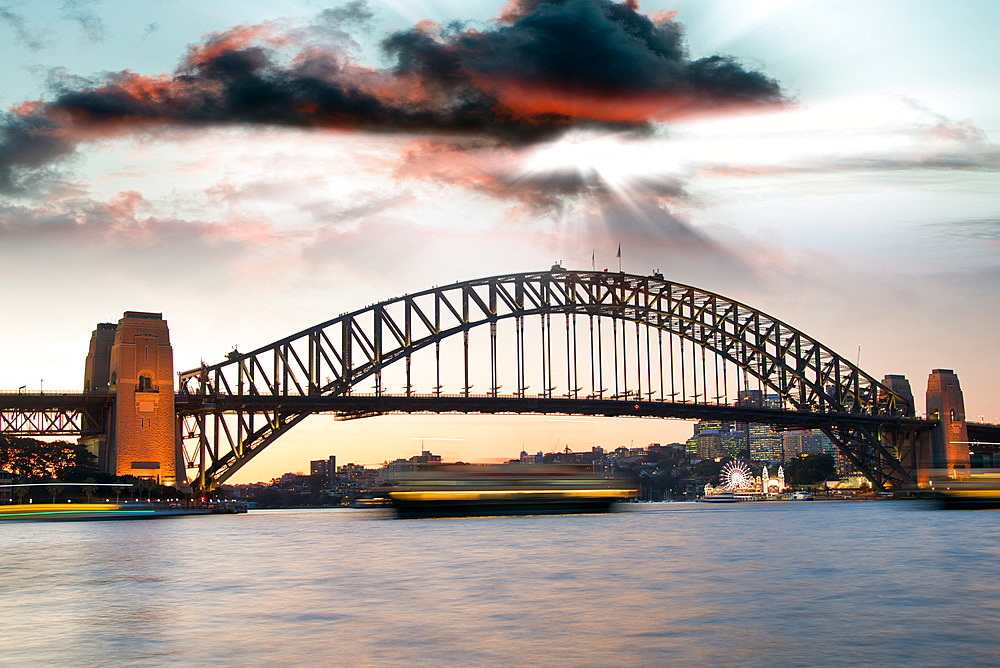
<point x="761" y="584"/>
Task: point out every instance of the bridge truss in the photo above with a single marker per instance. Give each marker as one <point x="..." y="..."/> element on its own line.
<point x="661" y="347"/>
<point x="560" y="341"/>
<point x="53" y="414"/>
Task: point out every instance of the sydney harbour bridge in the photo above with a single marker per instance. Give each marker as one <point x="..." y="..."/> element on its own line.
<point x="550" y="342"/>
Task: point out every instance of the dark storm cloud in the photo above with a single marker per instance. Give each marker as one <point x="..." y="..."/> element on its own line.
<point x="541" y="68"/>
<point x="589" y="51"/>
<point x="28" y="142"/>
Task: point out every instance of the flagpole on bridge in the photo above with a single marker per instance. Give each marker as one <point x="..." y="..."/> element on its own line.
<point x="619" y="258"/>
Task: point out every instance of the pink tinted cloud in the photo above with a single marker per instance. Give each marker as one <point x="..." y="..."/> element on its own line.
<point x="520" y="80"/>
<point x="119" y="222"/>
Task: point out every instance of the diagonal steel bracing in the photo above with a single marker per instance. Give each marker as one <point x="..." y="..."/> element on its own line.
<point x="53" y="414"/>
<point x="646" y="340"/>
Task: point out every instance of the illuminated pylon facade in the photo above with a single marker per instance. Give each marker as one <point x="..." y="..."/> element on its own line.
<point x="133" y="361"/>
<point x="949" y="442"/>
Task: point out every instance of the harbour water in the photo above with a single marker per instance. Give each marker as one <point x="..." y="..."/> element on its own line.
<point x="753" y="584"/>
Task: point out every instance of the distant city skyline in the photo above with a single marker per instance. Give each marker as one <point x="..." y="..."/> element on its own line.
<point x="252" y="170"/>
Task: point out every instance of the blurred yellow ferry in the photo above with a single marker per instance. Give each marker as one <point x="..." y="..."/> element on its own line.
<point x="975" y="488"/>
<point x="452" y="490"/>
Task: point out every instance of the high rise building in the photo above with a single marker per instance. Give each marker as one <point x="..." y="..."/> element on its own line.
<point x="691" y="447"/>
<point x="765" y="443"/>
<point x="807" y="442"/>
<point x="709" y="445"/>
<point x="324" y="468"/>
<point x="814" y="442"/>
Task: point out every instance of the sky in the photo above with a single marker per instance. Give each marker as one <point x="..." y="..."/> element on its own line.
<point x="250" y="169"/>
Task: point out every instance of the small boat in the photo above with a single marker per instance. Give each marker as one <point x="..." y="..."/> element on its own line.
<point x="802" y="496"/>
<point x="721" y="496"/>
<point x="370" y="502"/>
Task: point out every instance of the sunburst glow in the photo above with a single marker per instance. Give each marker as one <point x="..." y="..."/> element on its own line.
<point x="849" y="134"/>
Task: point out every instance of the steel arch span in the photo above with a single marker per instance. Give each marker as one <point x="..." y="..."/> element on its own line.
<point x="627" y="345"/>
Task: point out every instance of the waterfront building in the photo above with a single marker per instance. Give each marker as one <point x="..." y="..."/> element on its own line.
<point x="532" y="459"/>
<point x="352" y="471"/>
<point x="324" y="468"/>
<point x="399" y="465"/>
<point x="426" y="457"/>
<point x="734" y="444"/>
<point x="765" y="444"/>
<point x="709" y="445"/>
<point x="814" y="442"/>
<point x="807" y="442"/>
<point x="290" y="479"/>
<point x="669" y="450"/>
<point x="716" y="438"/>
<point x="691" y="447"/>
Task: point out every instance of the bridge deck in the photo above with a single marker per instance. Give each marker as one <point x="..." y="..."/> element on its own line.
<point x="363" y="405"/>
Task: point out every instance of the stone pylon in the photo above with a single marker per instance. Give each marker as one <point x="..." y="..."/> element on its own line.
<point x="134" y="362"/>
<point x="949" y="442"/>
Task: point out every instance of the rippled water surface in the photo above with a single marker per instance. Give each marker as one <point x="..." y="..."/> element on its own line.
<point x="765" y="584"/>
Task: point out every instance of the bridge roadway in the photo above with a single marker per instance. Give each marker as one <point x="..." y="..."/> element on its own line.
<point x="80" y="414"/>
<point x="53" y="413"/>
<point x="69" y="413"/>
<point x="367" y="405"/>
<point x="985" y="433"/>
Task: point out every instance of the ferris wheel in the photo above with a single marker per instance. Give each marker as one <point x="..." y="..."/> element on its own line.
<point x="736" y="475"/>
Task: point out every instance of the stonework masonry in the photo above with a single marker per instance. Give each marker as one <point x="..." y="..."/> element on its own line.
<point x="949" y="443"/>
<point x="137" y="368"/>
<point x="901" y="386"/>
<point x="98" y="369"/>
<point x="96" y="375"/>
